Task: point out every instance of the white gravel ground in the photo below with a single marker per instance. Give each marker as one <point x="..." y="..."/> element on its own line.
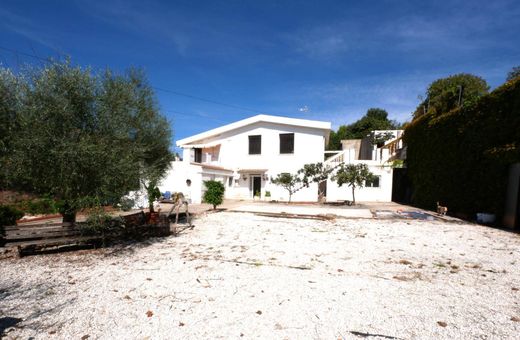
<point x="240" y="275"/>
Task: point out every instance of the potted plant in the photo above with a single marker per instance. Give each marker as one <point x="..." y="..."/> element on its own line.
<point x="257" y="195"/>
<point x="267" y="195"/>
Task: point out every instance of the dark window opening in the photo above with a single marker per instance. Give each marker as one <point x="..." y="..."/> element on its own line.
<point x="255" y="145"/>
<point x="198" y="155"/>
<point x="287" y="143"/>
<point x="373" y="183"/>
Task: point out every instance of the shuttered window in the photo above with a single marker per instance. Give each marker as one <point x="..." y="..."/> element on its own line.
<point x="255" y="145"/>
<point x="287" y="143"/>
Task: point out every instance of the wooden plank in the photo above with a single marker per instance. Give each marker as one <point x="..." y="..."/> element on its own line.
<point x="13" y="238"/>
<point x="54" y="242"/>
<point x="39" y="225"/>
<point x="37" y="230"/>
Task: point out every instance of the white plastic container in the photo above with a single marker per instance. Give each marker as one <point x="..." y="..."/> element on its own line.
<point x="485" y="218"/>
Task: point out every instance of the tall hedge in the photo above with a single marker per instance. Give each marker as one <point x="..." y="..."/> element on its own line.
<point x="461" y="158"/>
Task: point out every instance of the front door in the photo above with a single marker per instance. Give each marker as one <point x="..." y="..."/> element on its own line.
<point x="256" y="185"/>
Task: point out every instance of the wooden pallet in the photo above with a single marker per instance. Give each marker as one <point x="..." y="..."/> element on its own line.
<point x="37" y="237"/>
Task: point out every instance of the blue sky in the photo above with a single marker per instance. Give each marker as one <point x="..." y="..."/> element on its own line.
<point x="306" y="59"/>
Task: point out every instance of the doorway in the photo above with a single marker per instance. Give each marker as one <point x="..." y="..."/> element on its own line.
<point x="256" y="185"/>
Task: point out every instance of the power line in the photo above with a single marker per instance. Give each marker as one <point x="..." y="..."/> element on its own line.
<point x="206" y="100"/>
<point x="177" y="93"/>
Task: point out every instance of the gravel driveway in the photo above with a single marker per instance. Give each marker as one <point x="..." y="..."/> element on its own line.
<point x="238" y="275"/>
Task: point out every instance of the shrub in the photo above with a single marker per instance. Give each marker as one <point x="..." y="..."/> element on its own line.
<point x="214" y="194"/>
<point x="100" y="223"/>
<point x="126" y="203"/>
<point x="8" y="216"/>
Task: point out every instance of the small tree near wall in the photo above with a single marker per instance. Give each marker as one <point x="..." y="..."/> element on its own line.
<point x="214" y="194"/>
<point x="287" y="181"/>
<point x="354" y="176"/>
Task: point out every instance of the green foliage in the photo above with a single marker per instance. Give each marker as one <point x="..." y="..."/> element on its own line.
<point x="380" y="138"/>
<point x="287" y="181"/>
<point x="9" y="215"/>
<point x="126" y="203"/>
<point x="461" y="158"/>
<point x="314" y="173"/>
<point x="214" y="193"/>
<point x="353" y="175"/>
<point x="443" y="94"/>
<point x="100" y="223"/>
<point x="80" y="136"/>
<point x="267" y="193"/>
<point x="514" y="73"/>
<point x="153" y="193"/>
<point x="45" y="205"/>
<point x="374" y="119"/>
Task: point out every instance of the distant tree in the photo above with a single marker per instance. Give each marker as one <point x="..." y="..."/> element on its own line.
<point x="380" y="138"/>
<point x="83" y="137"/>
<point x="446" y="94"/>
<point x="374" y="119"/>
<point x="287" y="181"/>
<point x="214" y="193"/>
<point x="514" y="73"/>
<point x="353" y="175"/>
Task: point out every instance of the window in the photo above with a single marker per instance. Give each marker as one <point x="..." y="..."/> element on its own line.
<point x="287" y="143"/>
<point x="230" y="181"/>
<point x="374" y="183"/>
<point x="255" y="145"/>
<point x="198" y="155"/>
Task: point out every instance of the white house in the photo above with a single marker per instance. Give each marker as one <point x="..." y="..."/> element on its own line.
<point x="245" y="155"/>
<point x="379" y="159"/>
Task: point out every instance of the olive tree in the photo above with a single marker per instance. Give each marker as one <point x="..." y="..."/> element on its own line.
<point x="287" y="181"/>
<point x="85" y="137"/>
<point x="353" y="175"/>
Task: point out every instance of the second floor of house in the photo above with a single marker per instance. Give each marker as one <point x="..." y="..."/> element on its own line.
<point x="259" y="142"/>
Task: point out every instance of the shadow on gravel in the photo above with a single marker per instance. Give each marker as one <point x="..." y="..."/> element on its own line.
<point x="7" y="322"/>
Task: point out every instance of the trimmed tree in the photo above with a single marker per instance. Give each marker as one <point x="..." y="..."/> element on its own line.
<point x="214" y="193"/>
<point x="353" y="175"/>
<point x="287" y="181"/>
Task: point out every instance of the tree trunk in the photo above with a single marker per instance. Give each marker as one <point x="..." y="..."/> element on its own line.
<point x="214" y="207"/>
<point x="68" y="213"/>
<point x="353" y="196"/>
<point x="150" y="206"/>
<point x="290" y="196"/>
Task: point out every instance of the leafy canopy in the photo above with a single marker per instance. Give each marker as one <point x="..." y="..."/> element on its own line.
<point x="287" y="181"/>
<point x="81" y="136"/>
<point x="374" y="119"/>
<point x="214" y="193"/>
<point x="353" y="175"/>
<point x="514" y="73"/>
<point x="443" y="94"/>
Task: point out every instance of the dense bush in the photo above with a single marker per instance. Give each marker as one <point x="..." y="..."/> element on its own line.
<point x="100" y="223"/>
<point x="214" y="194"/>
<point x="39" y="206"/>
<point x="461" y="158"/>
<point x="8" y="216"/>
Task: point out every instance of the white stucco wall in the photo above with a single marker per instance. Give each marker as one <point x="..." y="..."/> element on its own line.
<point x="309" y="144"/>
<point x="383" y="193"/>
